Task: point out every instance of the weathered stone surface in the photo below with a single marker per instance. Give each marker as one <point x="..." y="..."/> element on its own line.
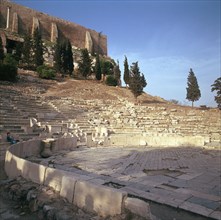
<point x="67" y="187"/>
<point x="54" y="32"/>
<point x="15" y="23"/>
<point x="138" y="207"/>
<point x="88" y="42"/>
<point x="103" y="200"/>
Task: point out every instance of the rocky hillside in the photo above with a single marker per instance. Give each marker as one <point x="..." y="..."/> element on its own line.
<point x="29" y="83"/>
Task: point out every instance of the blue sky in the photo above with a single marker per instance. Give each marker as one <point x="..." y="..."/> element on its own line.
<point x="167" y="38"/>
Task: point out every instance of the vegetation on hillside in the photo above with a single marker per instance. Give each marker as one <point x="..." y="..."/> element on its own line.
<point x="37" y="48"/>
<point x="8" y="69"/>
<point x="216" y="86"/>
<point x="136" y="80"/>
<point x="63" y="57"/>
<point x="193" y="91"/>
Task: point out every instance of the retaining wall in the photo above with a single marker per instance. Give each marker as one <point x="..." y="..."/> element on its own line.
<point x="155" y="141"/>
<point x="74" y="187"/>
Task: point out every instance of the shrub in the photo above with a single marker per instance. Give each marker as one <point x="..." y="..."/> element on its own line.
<point x="8" y="72"/>
<point x="46" y="72"/>
<point x="10" y="60"/>
<point x="111" y="81"/>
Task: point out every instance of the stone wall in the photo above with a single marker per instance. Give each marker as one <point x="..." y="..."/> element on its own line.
<point x="18" y="20"/>
<point x="76" y="188"/>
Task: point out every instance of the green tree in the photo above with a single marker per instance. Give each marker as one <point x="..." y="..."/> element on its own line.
<point x="69" y="57"/>
<point x="1" y="50"/>
<point x="117" y="73"/>
<point x="27" y="50"/>
<point x="216" y="86"/>
<point x="193" y="91"/>
<point x="84" y="64"/>
<point x="136" y="82"/>
<point x="63" y="57"/>
<point x="57" y="57"/>
<point x="106" y="67"/>
<point x="143" y="81"/>
<point x="98" y="67"/>
<point x="18" y="51"/>
<point x="126" y="72"/>
<point x="37" y="48"/>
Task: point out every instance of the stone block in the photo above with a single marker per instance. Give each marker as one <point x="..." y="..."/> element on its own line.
<point x="34" y="172"/>
<point x="53" y="178"/>
<point x="100" y="199"/>
<point x="31" y="148"/>
<point x="67" y="187"/>
<point x="138" y="207"/>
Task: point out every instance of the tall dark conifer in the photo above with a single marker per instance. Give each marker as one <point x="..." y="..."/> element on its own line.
<point x="98" y="67"/>
<point x="126" y="72"/>
<point x="69" y="55"/>
<point x="57" y="57"/>
<point x="85" y="63"/>
<point x="117" y="73"/>
<point x="136" y="82"/>
<point x="27" y="50"/>
<point x="37" y="48"/>
<point x="216" y="86"/>
<point x="1" y="50"/>
<point x="193" y="91"/>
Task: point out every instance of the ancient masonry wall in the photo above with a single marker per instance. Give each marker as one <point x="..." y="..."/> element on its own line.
<point x="76" y="188"/>
<point x="16" y="20"/>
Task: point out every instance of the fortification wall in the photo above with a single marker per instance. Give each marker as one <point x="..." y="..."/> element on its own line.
<point x="19" y="20"/>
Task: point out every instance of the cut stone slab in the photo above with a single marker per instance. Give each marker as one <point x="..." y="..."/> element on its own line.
<point x="138" y="207"/>
<point x="195" y="208"/>
<point x="67" y="187"/>
<point x="103" y="200"/>
<point x="204" y="202"/>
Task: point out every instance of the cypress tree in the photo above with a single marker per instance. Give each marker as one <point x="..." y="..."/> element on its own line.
<point x="143" y="81"/>
<point x="1" y="50"/>
<point x="193" y="91"/>
<point x="37" y="48"/>
<point x="98" y="67"/>
<point x="85" y="63"/>
<point x="136" y="83"/>
<point x="117" y="73"/>
<point x="69" y="55"/>
<point x="126" y="72"/>
<point x="18" y="51"/>
<point x="64" y="57"/>
<point x="57" y="57"/>
<point x="216" y="86"/>
<point x="27" y="49"/>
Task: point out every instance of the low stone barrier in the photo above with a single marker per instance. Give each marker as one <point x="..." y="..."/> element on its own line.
<point x="86" y="195"/>
<point x="155" y="141"/>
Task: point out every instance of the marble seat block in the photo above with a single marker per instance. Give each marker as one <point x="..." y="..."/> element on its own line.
<point x="100" y="199"/>
<point x="138" y="207"/>
<point x="67" y="187"/>
<point x="53" y="178"/>
<point x="34" y="172"/>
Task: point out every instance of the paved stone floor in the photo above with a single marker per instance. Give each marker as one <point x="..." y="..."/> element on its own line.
<point x="185" y="178"/>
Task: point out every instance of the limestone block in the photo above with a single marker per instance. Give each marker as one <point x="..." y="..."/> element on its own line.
<point x="54" y="32"/>
<point x="11" y="165"/>
<point x="143" y="143"/>
<point x="34" y="172"/>
<point x="35" y="24"/>
<point x="88" y="42"/>
<point x="103" y="200"/>
<point x="53" y="178"/>
<point x="138" y="207"/>
<point x="15" y="23"/>
<point x="67" y="187"/>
